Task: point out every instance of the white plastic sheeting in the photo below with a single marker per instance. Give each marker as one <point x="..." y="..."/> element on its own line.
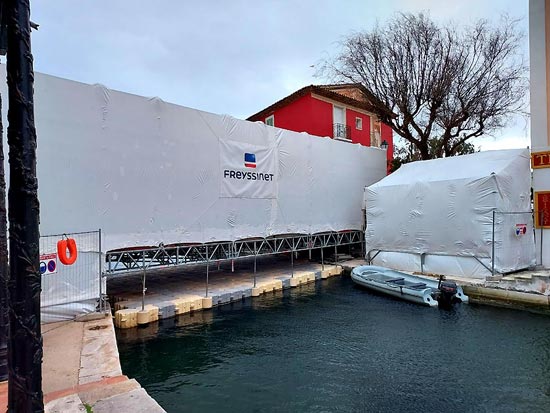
<point x="443" y="210"/>
<point x="146" y="171"/>
<point x="149" y="172"/>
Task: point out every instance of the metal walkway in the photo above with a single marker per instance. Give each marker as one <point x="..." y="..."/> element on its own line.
<point x="124" y="261"/>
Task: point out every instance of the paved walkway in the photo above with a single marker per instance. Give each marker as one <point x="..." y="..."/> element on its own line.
<point x="81" y="366"/>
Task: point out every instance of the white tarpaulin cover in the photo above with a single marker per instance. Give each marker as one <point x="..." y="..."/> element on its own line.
<point x="146" y="171"/>
<point x="443" y="208"/>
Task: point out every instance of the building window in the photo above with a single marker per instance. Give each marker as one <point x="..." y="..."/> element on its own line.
<point x="358" y="123"/>
<point x="270" y="120"/>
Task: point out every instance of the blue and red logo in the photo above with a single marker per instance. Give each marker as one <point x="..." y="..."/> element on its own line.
<point x="250" y="160"/>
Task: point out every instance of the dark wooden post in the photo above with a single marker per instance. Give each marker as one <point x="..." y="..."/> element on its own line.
<point x="3" y="263"/>
<point x="3" y="228"/>
<point x="24" y="285"/>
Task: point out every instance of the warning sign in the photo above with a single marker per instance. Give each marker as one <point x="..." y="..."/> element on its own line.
<point x="48" y="264"/>
<point x="521" y="229"/>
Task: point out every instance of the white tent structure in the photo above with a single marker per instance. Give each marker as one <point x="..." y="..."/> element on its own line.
<point x="436" y="216"/>
<point x="149" y="172"/>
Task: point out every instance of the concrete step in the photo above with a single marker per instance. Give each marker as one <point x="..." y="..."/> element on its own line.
<point x="67" y="404"/>
<point x="524" y="277"/>
<point x="135" y="401"/>
<point x="543" y="276"/>
<point x="92" y="395"/>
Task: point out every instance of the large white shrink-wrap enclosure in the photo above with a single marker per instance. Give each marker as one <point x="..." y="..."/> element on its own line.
<point x="148" y="172"/>
<point x="437" y="215"/>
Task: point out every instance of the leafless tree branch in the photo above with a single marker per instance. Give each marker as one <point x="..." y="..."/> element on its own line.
<point x="437" y="86"/>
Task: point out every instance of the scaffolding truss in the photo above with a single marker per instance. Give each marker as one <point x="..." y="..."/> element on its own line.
<point x="124" y="261"/>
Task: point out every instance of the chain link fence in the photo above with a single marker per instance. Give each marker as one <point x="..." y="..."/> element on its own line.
<point x="71" y="290"/>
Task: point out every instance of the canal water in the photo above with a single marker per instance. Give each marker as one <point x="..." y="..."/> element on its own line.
<point x="333" y="347"/>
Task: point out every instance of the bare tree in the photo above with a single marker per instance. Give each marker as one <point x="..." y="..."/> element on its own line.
<point x="437" y="86"/>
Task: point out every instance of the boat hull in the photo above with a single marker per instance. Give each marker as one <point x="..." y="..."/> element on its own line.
<point x="401" y="285"/>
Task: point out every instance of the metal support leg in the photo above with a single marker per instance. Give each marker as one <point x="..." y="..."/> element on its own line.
<point x="493" y="247"/>
<point x="100" y="267"/>
<point x="254" y="271"/>
<point x="292" y="264"/>
<point x="207" y="270"/>
<point x="143" y="290"/>
<point x="335" y="254"/>
<point x="255" y="257"/>
<point x="322" y="260"/>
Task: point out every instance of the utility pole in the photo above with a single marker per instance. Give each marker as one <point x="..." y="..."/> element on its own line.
<point x="24" y="284"/>
<point x="3" y="227"/>
<point x="3" y="262"/>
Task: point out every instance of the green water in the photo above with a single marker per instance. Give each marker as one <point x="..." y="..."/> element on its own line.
<point x="333" y="347"/>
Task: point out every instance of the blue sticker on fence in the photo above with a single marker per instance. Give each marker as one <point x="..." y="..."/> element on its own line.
<point x="51" y="266"/>
<point x="42" y="267"/>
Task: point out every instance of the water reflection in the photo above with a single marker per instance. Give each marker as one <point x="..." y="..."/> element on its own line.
<point x="331" y="346"/>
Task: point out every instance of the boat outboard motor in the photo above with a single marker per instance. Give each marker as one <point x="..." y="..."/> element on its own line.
<point x="447" y="291"/>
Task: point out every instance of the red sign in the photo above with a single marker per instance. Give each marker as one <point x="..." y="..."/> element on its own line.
<point x="542" y="209"/>
<point x="540" y="160"/>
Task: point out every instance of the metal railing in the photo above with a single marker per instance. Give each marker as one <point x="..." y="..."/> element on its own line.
<point x="136" y="260"/>
<point x="341" y="131"/>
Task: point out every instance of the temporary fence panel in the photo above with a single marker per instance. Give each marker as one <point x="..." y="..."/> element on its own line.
<point x="440" y="211"/>
<point x="70" y="290"/>
<point x="149" y="172"/>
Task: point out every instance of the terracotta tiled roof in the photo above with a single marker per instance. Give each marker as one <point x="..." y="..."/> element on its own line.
<point x="352" y="94"/>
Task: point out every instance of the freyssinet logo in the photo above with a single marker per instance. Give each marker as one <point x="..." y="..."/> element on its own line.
<point x="247" y="170"/>
<point x="250" y="160"/>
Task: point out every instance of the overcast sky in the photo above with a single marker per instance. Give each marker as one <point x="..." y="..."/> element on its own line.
<point x="232" y="57"/>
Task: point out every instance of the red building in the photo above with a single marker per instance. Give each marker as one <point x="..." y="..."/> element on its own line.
<point x="340" y="112"/>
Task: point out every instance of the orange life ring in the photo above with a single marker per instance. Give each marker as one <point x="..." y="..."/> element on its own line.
<point x="62" y="246"/>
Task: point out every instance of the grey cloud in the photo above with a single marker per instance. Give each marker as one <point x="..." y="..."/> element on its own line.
<point x="232" y="57"/>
